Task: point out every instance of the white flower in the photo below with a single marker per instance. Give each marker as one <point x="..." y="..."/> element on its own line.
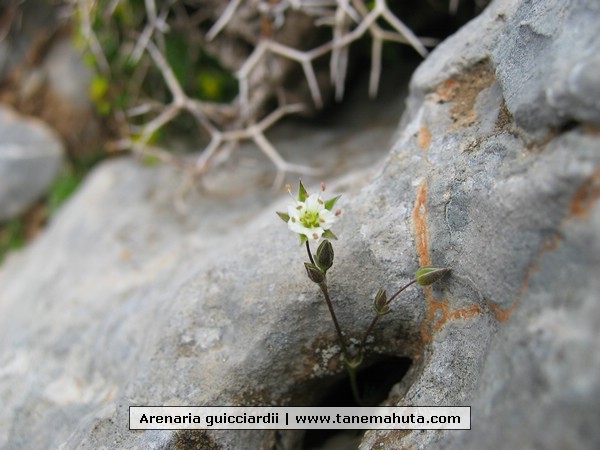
<point x="310" y="217"/>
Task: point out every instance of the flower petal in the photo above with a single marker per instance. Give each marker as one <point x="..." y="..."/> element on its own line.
<point x="327" y="218"/>
<point x="297" y="227"/>
<point x="314" y="203"/>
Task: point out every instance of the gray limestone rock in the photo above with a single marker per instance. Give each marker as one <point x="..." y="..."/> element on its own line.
<point x="43" y="75"/>
<point x="30" y="158"/>
<point x="128" y="303"/>
<point x="546" y="61"/>
<point x="122" y="274"/>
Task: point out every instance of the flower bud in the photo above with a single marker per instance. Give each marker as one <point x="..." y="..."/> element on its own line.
<point x="325" y="255"/>
<point x="428" y="275"/>
<point x="381" y="305"/>
<point x="315" y="274"/>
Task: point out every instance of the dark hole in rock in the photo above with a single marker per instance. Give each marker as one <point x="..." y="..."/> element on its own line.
<point x="374" y="383"/>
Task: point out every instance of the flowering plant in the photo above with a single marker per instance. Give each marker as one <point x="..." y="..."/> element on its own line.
<point x="311" y="218"/>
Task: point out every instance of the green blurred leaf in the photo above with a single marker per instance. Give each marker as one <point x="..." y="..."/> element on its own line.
<point x="12" y="236"/>
<point x="177" y="54"/>
<point x="209" y="85"/>
<point x="64" y="186"/>
<point x="150" y="160"/>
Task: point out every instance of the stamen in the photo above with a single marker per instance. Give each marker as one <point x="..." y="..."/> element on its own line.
<point x="338" y="212"/>
<point x="315" y="236"/>
<point x="289" y="189"/>
<point x="323" y="186"/>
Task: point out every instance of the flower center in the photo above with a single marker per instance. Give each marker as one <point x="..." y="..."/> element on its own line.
<point x="310" y="219"/>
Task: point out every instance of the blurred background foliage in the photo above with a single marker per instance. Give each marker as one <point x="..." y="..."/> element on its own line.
<point x="128" y="76"/>
<point x="128" y="90"/>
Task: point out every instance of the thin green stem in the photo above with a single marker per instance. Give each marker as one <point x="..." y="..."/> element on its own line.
<point x="367" y="333"/>
<point x="393" y="297"/>
<point x="348" y="363"/>
<point x="354" y="385"/>
<point x="325" y="292"/>
<point x="310" y="256"/>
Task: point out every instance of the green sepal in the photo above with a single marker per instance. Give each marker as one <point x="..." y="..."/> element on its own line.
<point x="328" y="234"/>
<point x="353" y="364"/>
<point x="329" y="204"/>
<point x="285" y="217"/>
<point x="324" y="256"/>
<point x="302" y="194"/>
<point x="428" y="274"/>
<point x="303" y="239"/>
<point x="315" y="274"/>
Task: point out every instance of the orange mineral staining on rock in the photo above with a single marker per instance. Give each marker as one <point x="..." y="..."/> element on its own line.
<point x="462" y="92"/>
<point x="503" y="314"/>
<point x="424" y="137"/>
<point x="438" y="311"/>
<point x="420" y="225"/>
<point x="586" y="196"/>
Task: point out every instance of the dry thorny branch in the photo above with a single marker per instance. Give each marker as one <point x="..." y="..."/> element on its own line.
<point x="229" y="123"/>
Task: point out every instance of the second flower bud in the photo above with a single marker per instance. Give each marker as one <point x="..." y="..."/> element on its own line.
<point x="324" y="256"/>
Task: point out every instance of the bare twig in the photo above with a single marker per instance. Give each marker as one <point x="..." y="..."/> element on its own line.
<point x="223" y="20"/>
<point x="229" y="124"/>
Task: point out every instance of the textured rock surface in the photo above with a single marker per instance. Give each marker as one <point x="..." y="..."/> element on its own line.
<point x="131" y="304"/>
<point x="42" y="74"/>
<point x="506" y="144"/>
<point x="121" y="275"/>
<point x="30" y="157"/>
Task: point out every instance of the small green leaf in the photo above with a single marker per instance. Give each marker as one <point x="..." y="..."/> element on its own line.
<point x="315" y="274"/>
<point x="328" y="234"/>
<point x="428" y="275"/>
<point x="329" y="204"/>
<point x="285" y="217"/>
<point x="302" y="194"/>
<point x="303" y="239"/>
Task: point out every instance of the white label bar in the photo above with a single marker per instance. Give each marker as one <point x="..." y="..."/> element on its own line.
<point x="299" y="418"/>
